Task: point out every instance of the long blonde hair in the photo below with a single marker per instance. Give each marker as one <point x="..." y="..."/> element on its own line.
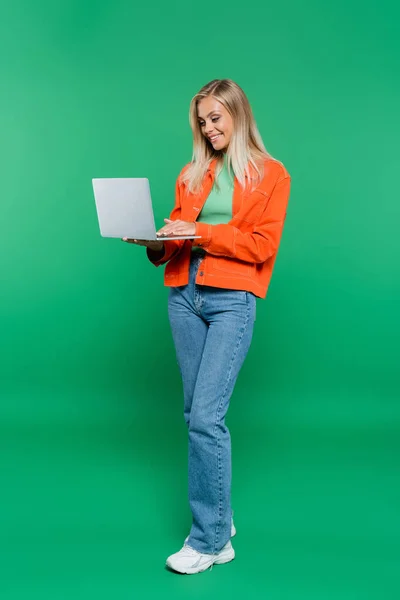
<point x="245" y="148"/>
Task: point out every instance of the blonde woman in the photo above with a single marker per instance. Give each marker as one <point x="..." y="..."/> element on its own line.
<point x="234" y="195"/>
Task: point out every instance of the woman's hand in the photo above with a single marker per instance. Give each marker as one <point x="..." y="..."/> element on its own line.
<point x="169" y="230"/>
<point x="152" y="245"/>
<point x="177" y="228"/>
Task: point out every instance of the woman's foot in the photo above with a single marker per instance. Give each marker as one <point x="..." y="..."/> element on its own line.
<point x="190" y="561"/>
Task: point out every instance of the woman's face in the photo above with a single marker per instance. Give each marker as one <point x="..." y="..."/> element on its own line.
<point x="215" y="122"/>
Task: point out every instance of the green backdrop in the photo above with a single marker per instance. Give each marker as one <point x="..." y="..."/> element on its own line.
<point x="93" y="442"/>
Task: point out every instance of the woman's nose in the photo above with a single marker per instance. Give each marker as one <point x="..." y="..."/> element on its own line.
<point x="209" y="128"/>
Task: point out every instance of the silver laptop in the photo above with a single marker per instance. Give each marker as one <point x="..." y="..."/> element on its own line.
<point x="124" y="209"/>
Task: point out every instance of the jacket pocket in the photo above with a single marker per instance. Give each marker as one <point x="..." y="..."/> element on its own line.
<point x="252" y="208"/>
<point x="231" y="266"/>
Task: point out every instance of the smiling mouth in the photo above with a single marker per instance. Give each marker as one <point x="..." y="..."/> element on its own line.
<point x="214" y="137"/>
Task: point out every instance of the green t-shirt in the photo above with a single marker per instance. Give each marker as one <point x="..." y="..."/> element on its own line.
<point x="218" y="206"/>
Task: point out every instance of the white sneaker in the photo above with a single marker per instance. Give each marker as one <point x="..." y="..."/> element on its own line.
<point x="233" y="532"/>
<point x="190" y="561"/>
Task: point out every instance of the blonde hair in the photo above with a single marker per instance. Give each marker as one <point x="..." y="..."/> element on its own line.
<point x="245" y="148"/>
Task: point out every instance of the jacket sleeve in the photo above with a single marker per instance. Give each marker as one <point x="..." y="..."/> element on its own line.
<point x="262" y="242"/>
<point x="171" y="247"/>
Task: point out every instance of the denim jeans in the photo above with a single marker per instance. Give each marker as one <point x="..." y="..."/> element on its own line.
<point x="212" y="330"/>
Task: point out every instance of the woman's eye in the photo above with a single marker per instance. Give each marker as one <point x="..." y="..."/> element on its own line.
<point x="214" y="120"/>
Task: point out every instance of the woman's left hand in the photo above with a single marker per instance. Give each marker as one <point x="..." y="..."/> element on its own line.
<point x="177" y="228"/>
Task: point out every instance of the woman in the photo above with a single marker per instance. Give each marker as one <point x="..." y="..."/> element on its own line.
<point x="214" y="280"/>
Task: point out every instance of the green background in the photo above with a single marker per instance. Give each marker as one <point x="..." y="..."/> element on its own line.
<point x="93" y="442"/>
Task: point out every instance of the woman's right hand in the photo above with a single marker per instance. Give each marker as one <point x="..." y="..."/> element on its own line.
<point x="152" y="245"/>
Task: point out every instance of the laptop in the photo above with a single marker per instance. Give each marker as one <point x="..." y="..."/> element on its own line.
<point x="124" y="209"/>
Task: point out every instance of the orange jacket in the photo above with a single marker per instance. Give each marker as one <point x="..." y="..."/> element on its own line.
<point x="240" y="255"/>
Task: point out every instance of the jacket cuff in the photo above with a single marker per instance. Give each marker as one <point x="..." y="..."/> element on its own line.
<point x="156" y="256"/>
<point x="204" y="230"/>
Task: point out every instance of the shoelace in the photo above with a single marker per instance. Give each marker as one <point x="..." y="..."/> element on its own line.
<point x="190" y="550"/>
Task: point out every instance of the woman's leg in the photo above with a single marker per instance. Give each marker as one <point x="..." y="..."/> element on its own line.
<point x="189" y="332"/>
<point x="230" y="317"/>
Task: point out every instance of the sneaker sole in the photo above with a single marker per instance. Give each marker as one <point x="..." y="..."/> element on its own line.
<point x="222" y="559"/>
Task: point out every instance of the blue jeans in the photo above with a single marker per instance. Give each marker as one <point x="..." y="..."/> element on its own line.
<point x="212" y="330"/>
